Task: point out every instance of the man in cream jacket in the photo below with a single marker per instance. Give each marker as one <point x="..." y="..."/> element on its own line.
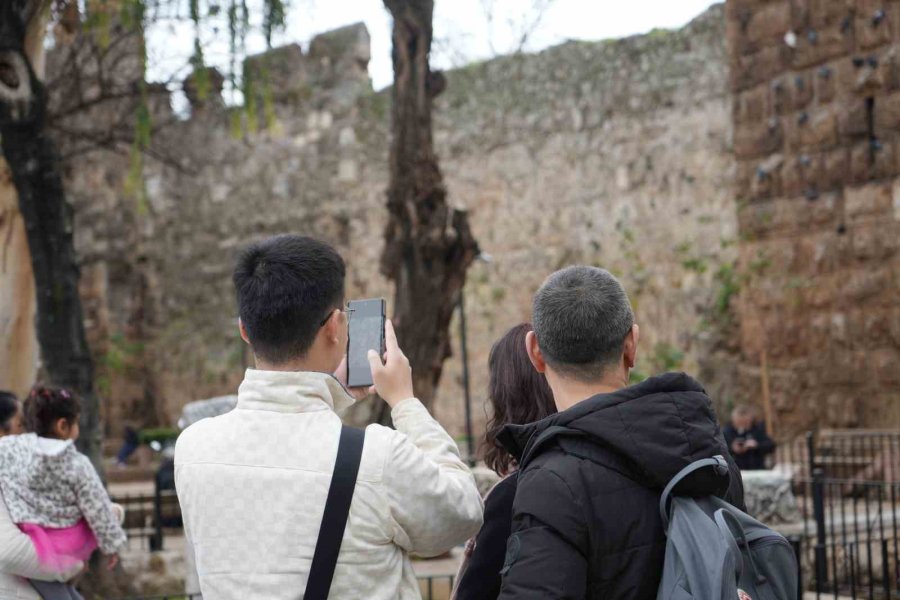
<point x="253" y="483"/>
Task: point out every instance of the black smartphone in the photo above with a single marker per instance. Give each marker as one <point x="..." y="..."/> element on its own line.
<point x="366" y="333"/>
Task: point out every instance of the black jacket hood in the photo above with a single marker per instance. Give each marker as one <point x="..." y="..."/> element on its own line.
<point x="648" y="431"/>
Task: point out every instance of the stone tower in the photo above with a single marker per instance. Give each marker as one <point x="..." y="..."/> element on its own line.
<point x="816" y="111"/>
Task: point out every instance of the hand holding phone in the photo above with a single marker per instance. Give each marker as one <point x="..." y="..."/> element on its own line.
<point x="359" y="393"/>
<point x="393" y="378"/>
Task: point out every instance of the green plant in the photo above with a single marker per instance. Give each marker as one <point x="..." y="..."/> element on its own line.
<point x="759" y="264"/>
<point x="667" y="357"/>
<point x="158" y="434"/>
<point x="696" y="264"/>
<point x="636" y="376"/>
<point x="728" y="286"/>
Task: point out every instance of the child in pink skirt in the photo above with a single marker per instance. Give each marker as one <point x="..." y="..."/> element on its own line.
<point x="53" y="492"/>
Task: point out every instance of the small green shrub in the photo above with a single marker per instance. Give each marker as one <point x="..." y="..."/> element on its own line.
<point x="158" y="434"/>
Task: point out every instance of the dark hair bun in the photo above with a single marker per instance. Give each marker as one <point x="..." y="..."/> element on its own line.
<point x="46" y="405"/>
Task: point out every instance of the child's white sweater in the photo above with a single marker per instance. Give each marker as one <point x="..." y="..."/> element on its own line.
<point x="47" y="482"/>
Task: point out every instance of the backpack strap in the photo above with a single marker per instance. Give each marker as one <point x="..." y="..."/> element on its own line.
<point x="337" y="509"/>
<point x="718" y="462"/>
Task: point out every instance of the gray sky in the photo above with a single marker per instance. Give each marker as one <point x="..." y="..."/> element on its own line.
<point x="462" y="30"/>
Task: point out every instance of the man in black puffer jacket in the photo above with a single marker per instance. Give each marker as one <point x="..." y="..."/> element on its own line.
<point x="586" y="518"/>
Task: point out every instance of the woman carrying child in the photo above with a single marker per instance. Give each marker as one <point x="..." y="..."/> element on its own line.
<point x="52" y="491"/>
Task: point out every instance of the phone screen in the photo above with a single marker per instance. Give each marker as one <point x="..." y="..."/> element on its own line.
<point x="366" y="333"/>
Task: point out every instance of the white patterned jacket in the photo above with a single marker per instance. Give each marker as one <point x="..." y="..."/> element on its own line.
<point x="48" y="482"/>
<point x="252" y="485"/>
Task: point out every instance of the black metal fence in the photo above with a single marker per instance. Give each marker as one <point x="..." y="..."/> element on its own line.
<point x="847" y="486"/>
<point x="865" y="455"/>
<point x="147" y="516"/>
<point x="436" y="587"/>
<point x="432" y="587"/>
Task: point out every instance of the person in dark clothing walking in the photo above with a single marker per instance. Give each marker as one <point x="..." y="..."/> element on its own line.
<point x="586" y="520"/>
<point x="747" y="440"/>
<point x="518" y="394"/>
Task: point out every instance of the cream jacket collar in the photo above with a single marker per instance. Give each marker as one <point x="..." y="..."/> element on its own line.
<point x="292" y="392"/>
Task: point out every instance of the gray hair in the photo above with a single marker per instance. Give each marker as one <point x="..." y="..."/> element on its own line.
<point x="581" y="318"/>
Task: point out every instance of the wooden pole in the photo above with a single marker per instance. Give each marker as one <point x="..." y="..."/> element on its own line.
<point x="766" y="396"/>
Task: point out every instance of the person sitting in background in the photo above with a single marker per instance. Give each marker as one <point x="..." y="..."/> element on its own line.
<point x="518" y="394"/>
<point x="131" y="441"/>
<point x="18" y="557"/>
<point x="53" y="492"/>
<point x="747" y="439"/>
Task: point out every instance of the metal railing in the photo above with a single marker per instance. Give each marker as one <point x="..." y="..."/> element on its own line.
<point x="147" y="516"/>
<point x="865" y="455"/>
<point x="847" y="486"/>
<point x="432" y="587"/>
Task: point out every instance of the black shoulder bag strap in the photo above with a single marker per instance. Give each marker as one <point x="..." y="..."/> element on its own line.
<point x="337" y="508"/>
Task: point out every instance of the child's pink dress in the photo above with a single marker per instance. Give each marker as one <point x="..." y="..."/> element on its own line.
<point x="56" y="498"/>
<point x="60" y="548"/>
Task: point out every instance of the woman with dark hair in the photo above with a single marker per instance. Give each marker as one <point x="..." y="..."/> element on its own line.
<point x="10" y="414"/>
<point x="18" y="557"/>
<point x="518" y="394"/>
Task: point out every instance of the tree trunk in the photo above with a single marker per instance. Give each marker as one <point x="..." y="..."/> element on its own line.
<point x="34" y="162"/>
<point x="428" y="245"/>
<point x="18" y="343"/>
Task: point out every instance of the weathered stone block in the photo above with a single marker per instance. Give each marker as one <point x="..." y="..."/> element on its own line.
<point x="891" y="62"/>
<point x="752" y="69"/>
<point x="873" y="200"/>
<point x="808" y="132"/>
<point x="875" y="25"/>
<point x="822" y="211"/>
<point x="802" y="90"/>
<point x="285" y="65"/>
<point x="870" y="160"/>
<point x="756" y="218"/>
<point x="752" y="105"/>
<point x="802" y="173"/>
<point x="869" y="75"/>
<point x="834" y="169"/>
<point x="830" y="255"/>
<point x="863" y="284"/>
<point x="853" y="120"/>
<point x="816" y="46"/>
<point x="825" y="83"/>
<point x="884" y="363"/>
<point x="765" y="181"/>
<point x="894" y="327"/>
<point x="781" y="96"/>
<point x="744" y="173"/>
<point x="876" y="242"/>
<point x="767" y="24"/>
<point x="825" y="13"/>
<point x="758" y="139"/>
<point x="887" y="114"/>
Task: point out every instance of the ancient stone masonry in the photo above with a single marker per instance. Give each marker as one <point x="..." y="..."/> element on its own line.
<point x="816" y="113"/>
<point x="612" y="153"/>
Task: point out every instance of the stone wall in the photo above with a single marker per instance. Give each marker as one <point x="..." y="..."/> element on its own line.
<point x="613" y="153"/>
<point x="817" y="114"/>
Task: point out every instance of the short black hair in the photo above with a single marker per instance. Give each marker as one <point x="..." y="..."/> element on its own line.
<point x="9" y="407"/>
<point x="581" y="318"/>
<point x="46" y="405"/>
<point x="286" y="285"/>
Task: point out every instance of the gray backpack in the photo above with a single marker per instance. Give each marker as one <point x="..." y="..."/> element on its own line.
<point x="715" y="551"/>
